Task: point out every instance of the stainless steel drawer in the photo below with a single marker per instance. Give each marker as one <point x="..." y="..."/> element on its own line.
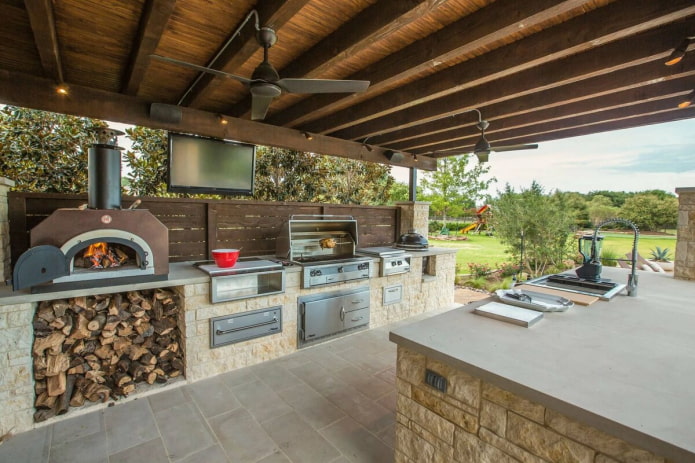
<point x="229" y="329"/>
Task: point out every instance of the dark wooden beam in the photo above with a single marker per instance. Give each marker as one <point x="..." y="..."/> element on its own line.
<point x="356" y="35"/>
<point x="32" y="92"/>
<point x="272" y="13"/>
<point x="619" y="20"/>
<point x="43" y="26"/>
<point x="528" y="111"/>
<point x="629" y="52"/>
<point x="479" y="29"/>
<point x="155" y="17"/>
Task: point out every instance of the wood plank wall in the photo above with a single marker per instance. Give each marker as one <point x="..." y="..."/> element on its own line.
<point x="197" y="226"/>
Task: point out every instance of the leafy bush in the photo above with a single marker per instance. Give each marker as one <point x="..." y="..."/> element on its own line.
<point x="660" y="255"/>
<point x="508" y="269"/>
<point x="609" y="257"/>
<point x="479" y="270"/>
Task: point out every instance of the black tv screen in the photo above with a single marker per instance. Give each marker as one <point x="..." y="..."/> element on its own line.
<point x="208" y="165"/>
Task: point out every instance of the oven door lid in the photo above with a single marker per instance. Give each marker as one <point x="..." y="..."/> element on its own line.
<point x="38" y="265"/>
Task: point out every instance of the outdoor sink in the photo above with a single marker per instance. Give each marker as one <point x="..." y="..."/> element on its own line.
<point x="604" y="289"/>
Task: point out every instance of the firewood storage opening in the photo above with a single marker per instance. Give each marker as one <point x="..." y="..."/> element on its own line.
<point x="100" y="348"/>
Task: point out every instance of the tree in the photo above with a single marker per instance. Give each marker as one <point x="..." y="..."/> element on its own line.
<point x="649" y="212"/>
<point x="147" y="162"/>
<point x="455" y="186"/>
<point x="601" y="208"/>
<point x="578" y="207"/>
<point x="43" y="151"/>
<point x="541" y="221"/>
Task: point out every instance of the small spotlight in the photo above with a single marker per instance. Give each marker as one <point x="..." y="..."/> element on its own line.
<point x="62" y="89"/>
<point x="308" y="136"/>
<point x="414" y="157"/>
<point x="679" y="52"/>
<point x="223" y="120"/>
<point x="688" y="100"/>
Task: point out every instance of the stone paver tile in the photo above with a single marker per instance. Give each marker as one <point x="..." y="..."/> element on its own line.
<point x="356" y="443"/>
<point x="129" y="424"/>
<point x="299" y="440"/>
<point x="151" y="452"/>
<point x="183" y="430"/>
<point x="241" y="437"/>
<point x="212" y="396"/>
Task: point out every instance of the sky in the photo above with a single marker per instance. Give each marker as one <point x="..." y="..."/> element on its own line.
<point x="659" y="156"/>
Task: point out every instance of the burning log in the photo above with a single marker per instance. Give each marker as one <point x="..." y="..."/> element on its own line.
<point x="99" y="347"/>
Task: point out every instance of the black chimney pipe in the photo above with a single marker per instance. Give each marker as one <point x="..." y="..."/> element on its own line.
<point x="104" y="183"/>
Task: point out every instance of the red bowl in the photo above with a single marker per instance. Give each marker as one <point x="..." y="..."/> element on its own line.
<point x="225" y="257"/>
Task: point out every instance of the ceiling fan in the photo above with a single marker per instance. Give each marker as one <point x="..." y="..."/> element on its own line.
<point x="266" y="84"/>
<point x="482" y="148"/>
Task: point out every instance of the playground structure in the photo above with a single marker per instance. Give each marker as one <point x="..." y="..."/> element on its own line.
<point x="482" y="215"/>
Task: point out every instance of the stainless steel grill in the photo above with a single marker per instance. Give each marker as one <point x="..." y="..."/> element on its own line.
<point x="324" y="245"/>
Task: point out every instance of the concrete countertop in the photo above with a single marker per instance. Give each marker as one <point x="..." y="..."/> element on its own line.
<point x="180" y="273"/>
<point x="624" y="366"/>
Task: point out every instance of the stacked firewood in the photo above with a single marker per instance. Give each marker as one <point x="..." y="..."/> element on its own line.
<point x="93" y="348"/>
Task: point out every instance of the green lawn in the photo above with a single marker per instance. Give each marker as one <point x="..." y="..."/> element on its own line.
<point x="482" y="249"/>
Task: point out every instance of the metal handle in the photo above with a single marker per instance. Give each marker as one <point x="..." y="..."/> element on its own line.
<point x="393" y="290"/>
<point x="357" y="319"/>
<point x="316" y="216"/>
<point x="342" y="313"/>
<point x="358" y="301"/>
<point x="232" y="330"/>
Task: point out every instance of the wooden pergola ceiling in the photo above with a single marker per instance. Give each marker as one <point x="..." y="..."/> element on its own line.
<point x="538" y="70"/>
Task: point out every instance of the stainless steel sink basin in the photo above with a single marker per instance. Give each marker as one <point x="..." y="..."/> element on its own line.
<point x="604" y="289"/>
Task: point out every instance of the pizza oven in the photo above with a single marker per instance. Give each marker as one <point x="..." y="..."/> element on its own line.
<point x="99" y="244"/>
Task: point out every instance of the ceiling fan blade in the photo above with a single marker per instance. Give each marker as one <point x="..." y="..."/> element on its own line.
<point x="259" y="106"/>
<point x="322" y="85"/>
<point x="499" y="149"/>
<point x="202" y="68"/>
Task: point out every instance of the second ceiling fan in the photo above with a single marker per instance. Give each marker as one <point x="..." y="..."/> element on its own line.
<point x="482" y="148"/>
<point x="265" y="83"/>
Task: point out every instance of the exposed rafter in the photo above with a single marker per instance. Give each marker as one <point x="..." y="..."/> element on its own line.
<point x="44" y="29"/>
<point x="154" y="20"/>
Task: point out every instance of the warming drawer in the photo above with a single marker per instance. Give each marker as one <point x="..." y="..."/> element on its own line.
<point x="323" y="315"/>
<point x="248" y="325"/>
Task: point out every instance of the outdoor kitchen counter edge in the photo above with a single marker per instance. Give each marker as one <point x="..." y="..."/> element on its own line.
<point x="180" y="273"/>
<point x="623" y="366"/>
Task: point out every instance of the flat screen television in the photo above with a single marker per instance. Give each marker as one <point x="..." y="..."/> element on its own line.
<point x="208" y="165"/>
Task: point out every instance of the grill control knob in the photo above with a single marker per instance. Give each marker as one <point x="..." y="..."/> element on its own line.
<point x="341" y="269"/>
<point x="363" y="266"/>
<point x="315" y="273"/>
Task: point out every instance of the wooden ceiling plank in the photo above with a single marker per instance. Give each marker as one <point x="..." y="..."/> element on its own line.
<point x="567" y="100"/>
<point x="359" y="33"/>
<point x="32" y="92"/>
<point x="42" y="22"/>
<point x="628" y="52"/>
<point x="474" y="31"/>
<point x="272" y="13"/>
<point x="155" y="17"/>
<point x="614" y="22"/>
<point x="540" y="128"/>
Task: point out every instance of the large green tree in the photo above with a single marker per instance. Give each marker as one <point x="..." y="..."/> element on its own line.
<point x="43" y="151"/>
<point x="535" y="223"/>
<point x="456" y="185"/>
<point x="147" y="161"/>
<point x="649" y="211"/>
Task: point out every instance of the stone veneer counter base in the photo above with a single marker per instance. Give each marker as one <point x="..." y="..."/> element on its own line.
<point x="611" y="382"/>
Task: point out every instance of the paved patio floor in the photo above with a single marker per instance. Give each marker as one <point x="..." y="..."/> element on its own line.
<point x="330" y="403"/>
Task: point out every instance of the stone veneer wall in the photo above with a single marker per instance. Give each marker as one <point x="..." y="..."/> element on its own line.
<point x="414" y="216"/>
<point x="684" y="267"/>
<point x="478" y="422"/>
<point x="5" y="271"/>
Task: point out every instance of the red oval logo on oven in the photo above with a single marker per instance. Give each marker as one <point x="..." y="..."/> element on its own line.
<point x="106" y="219"/>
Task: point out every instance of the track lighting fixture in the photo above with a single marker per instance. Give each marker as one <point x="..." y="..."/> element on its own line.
<point x="308" y="136"/>
<point x="679" y="52"/>
<point x="414" y="157"/>
<point x="223" y="120"/>
<point x="62" y="89"/>
<point x="688" y="100"/>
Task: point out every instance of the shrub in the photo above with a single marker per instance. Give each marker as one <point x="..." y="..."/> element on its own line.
<point x="479" y="270"/>
<point x="508" y="269"/>
<point x="609" y="257"/>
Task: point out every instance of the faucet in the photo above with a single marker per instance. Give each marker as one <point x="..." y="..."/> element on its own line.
<point x="632" y="278"/>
